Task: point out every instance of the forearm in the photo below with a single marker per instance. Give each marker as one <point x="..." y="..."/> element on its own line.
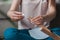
<point x="50" y="15"/>
<point x="15" y="5"/>
<point x="51" y="12"/>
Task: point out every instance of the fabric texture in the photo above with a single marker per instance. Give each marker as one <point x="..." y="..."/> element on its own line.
<point x="32" y="8"/>
<point x="15" y="34"/>
<point x="29" y="9"/>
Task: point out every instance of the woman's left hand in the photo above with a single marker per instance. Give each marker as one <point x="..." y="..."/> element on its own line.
<point x="37" y="20"/>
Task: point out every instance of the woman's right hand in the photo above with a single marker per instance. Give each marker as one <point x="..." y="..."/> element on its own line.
<point x="15" y="15"/>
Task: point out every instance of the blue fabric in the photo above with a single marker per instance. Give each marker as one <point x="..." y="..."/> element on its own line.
<point x="56" y="30"/>
<point x="15" y="34"/>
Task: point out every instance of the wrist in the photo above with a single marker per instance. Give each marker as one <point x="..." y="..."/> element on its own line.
<point x="45" y="17"/>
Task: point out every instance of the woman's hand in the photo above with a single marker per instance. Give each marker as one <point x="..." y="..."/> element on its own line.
<point x="37" y="20"/>
<point x="15" y="16"/>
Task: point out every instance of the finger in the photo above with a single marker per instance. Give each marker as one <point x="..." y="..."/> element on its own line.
<point x="15" y="18"/>
<point x="36" y="18"/>
<point x="18" y="18"/>
<point x="18" y="13"/>
<point x="37" y="23"/>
